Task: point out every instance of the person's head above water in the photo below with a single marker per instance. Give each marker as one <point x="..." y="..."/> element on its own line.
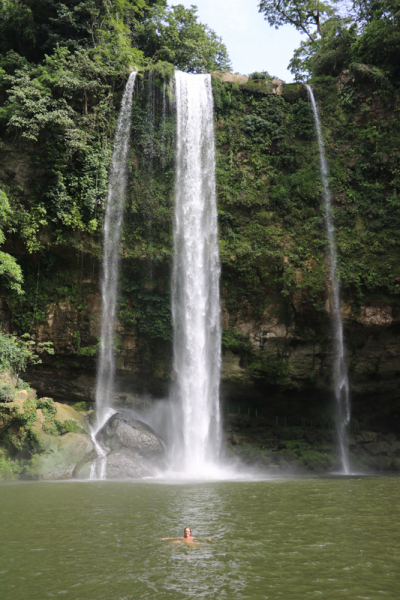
<point x="187" y="532"/>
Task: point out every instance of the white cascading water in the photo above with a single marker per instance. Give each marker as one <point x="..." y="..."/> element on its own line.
<point x="195" y="281"/>
<point x="340" y="377"/>
<point x="109" y="284"/>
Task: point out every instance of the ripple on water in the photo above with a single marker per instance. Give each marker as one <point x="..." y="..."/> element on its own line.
<point x="289" y="539"/>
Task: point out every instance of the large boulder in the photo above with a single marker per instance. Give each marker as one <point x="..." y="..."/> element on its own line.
<point x="62" y="455"/>
<point x="377" y="448"/>
<point x="135" y="448"/>
<point x="125" y="464"/>
<point x="53" y="434"/>
<point x="363" y="437"/>
<point x="124" y="430"/>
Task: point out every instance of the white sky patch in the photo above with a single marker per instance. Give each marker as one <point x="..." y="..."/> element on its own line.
<point x="252" y="44"/>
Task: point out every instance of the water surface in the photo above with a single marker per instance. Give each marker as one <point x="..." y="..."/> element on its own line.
<point x="282" y="539"/>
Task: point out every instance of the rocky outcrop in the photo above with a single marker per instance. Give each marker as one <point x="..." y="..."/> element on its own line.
<point x="230" y="77"/>
<point x="260" y="442"/>
<point x="373" y="358"/>
<point x="370" y="443"/>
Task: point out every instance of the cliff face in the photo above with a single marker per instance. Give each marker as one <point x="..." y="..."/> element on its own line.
<point x="275" y="285"/>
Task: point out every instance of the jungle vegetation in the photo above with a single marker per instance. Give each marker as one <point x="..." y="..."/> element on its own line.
<point x="63" y="68"/>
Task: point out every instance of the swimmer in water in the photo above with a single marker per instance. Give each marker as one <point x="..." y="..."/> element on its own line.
<point x="187" y="537"/>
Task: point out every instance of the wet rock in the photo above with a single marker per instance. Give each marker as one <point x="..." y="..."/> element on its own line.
<point x="374" y="315"/>
<point x="235" y="439"/>
<point x="366" y="436"/>
<point x="390" y="438"/>
<point x="232" y="370"/>
<point x="136" y="451"/>
<point x="351" y="440"/>
<point x="395" y="448"/>
<point x="359" y="451"/>
<point x="378" y="448"/>
<point x="124" y="430"/>
<point x="382" y="463"/>
<point x="125" y="463"/>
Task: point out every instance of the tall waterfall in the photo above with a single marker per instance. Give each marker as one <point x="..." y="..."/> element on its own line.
<point x="111" y="241"/>
<point x="195" y="279"/>
<point x="340" y="377"/>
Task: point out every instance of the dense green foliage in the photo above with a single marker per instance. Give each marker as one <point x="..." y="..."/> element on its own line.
<point x="34" y="28"/>
<point x="62" y="69"/>
<point x="16" y="354"/>
<point x="273" y="244"/>
<point x="9" y="268"/>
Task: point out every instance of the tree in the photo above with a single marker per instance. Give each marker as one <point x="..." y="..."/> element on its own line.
<point x="327" y="55"/>
<point x="306" y="15"/>
<point x="173" y="34"/>
<point x="372" y="10"/>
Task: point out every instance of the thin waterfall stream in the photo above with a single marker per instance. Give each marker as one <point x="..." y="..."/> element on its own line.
<point x="195" y="280"/>
<point x="110" y="270"/>
<point x="340" y="376"/>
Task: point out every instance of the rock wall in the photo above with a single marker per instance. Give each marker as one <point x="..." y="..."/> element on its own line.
<point x="277" y="350"/>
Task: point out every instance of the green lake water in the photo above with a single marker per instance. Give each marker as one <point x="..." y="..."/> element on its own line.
<point x="284" y="539"/>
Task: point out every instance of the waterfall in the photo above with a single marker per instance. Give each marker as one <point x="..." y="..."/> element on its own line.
<point x="340" y="377"/>
<point x="111" y="240"/>
<point x="195" y="279"/>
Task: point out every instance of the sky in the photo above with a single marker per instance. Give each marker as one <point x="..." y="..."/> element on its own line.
<point x="252" y="44"/>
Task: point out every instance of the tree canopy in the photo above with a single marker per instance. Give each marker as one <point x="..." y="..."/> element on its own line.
<point x="63" y="66"/>
<point x="173" y="34"/>
<point x="33" y="28"/>
<point x="305" y="15"/>
<point x="137" y="31"/>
